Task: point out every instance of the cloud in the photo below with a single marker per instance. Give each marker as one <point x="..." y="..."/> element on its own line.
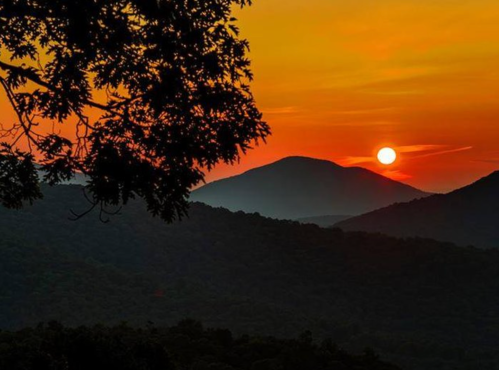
<point x="396" y="175"/>
<point x="352" y="161"/>
<point x="430" y="150"/>
<point x="280" y="110"/>
<point x="491" y="161"/>
<point x="363" y="111"/>
<point x="418" y="148"/>
<point x="441" y="152"/>
<point x="362" y="124"/>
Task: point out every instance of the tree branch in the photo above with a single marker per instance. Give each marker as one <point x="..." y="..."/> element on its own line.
<point x="33" y="77"/>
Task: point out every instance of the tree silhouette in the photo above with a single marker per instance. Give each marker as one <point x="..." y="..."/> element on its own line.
<point x="152" y="92"/>
<point x="53" y="346"/>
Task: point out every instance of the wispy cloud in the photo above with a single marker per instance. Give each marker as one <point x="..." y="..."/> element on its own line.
<point x="441" y="152"/>
<point x="491" y="161"/>
<point x="419" y="148"/>
<point x="379" y="123"/>
<point x="281" y="110"/>
<point x="396" y="175"/>
<point x="353" y="161"/>
<point x="363" y="111"/>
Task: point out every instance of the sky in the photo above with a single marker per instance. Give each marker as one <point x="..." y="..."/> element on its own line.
<point x="340" y="79"/>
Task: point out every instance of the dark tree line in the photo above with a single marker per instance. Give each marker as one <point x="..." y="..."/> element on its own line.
<point x="185" y="346"/>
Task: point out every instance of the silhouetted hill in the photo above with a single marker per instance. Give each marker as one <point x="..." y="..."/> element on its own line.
<point x="423" y="304"/>
<point x="323" y="221"/>
<point x="468" y="216"/>
<point x="298" y="187"/>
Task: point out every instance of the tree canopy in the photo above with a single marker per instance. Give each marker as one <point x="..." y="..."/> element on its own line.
<point x="141" y="96"/>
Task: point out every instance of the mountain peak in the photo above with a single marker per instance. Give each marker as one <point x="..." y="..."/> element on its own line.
<point x="298" y="187"/>
<point x="305" y="160"/>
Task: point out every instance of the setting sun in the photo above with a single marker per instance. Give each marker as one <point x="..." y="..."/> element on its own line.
<point x="387" y="156"/>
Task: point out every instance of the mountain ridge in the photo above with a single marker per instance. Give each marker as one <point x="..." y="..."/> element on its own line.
<point x="302" y="187"/>
<point x="466" y="216"/>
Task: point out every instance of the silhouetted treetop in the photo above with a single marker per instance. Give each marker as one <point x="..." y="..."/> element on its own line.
<point x="153" y="92"/>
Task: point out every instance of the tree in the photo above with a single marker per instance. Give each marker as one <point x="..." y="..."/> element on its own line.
<point x="153" y="92"/>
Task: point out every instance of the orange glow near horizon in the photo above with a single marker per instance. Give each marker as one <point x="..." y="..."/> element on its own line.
<point x="338" y="80"/>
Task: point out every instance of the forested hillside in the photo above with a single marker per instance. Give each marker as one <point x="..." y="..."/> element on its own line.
<point x="422" y="304"/>
<point x="185" y="346"/>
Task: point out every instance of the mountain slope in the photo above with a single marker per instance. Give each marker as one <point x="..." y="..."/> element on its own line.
<point x="299" y="187"/>
<point x="468" y="216"/>
<point x="323" y="221"/>
<point x="250" y="274"/>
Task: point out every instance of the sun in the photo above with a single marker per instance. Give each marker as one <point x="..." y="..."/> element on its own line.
<point x="387" y="156"/>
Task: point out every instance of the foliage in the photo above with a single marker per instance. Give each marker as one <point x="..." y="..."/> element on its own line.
<point x="157" y="91"/>
<point x="185" y="346"/>
<point x="18" y="179"/>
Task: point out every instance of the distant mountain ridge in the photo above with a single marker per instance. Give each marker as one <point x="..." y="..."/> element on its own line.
<point x="467" y="216"/>
<point x="301" y="187"/>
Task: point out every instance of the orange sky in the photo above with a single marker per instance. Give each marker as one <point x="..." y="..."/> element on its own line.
<point x="338" y="79"/>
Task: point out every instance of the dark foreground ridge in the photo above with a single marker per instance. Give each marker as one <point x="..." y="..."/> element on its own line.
<point x="184" y="346"/>
<point x="300" y="187"/>
<point x="468" y="216"/>
<point x="421" y="304"/>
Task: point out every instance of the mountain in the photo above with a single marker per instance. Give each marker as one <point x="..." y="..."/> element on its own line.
<point x="468" y="216"/>
<point x="422" y="304"/>
<point x="299" y="187"/>
<point x="78" y="178"/>
<point x="323" y="221"/>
